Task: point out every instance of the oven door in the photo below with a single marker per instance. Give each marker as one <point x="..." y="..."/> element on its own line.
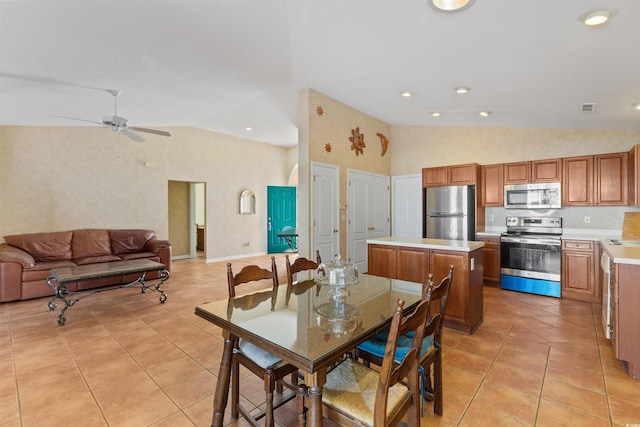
<point x="531" y="257"/>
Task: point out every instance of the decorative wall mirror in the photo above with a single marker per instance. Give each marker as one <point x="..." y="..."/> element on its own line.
<point x="247" y="202"/>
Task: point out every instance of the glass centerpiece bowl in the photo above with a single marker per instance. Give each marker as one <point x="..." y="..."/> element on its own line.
<point x="337" y="275"/>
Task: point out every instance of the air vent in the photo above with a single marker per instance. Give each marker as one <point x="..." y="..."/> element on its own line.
<point x="588" y="107"/>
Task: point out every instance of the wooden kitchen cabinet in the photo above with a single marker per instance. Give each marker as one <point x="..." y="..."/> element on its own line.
<point x="441" y="176"/>
<point x="492" y="189"/>
<point x="382" y="260"/>
<point x="611" y="179"/>
<point x="549" y="170"/>
<point x="434" y="177"/>
<point x="580" y="263"/>
<point x="625" y="334"/>
<point x="491" y="258"/>
<point x="412" y="264"/>
<point x="517" y="173"/>
<point x="577" y="181"/>
<point x="464" y="306"/>
<point x="465" y="303"/>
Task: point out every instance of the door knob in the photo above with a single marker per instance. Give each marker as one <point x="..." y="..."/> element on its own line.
<point x="371" y="228"/>
<point x="335" y="230"/>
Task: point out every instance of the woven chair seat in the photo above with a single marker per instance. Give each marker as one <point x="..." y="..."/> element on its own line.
<point x="351" y="389"/>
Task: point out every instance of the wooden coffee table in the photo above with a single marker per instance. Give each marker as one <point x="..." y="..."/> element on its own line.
<point x="61" y="277"/>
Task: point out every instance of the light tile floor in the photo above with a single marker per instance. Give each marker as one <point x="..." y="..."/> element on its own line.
<point x="124" y="359"/>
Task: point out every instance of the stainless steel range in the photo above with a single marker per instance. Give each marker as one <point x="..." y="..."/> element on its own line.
<point x="530" y="255"/>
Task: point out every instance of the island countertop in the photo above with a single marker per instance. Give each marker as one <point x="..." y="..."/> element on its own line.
<point x="415" y="242"/>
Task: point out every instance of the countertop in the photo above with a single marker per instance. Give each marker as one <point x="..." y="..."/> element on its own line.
<point x="415" y="242"/>
<point x="622" y="254"/>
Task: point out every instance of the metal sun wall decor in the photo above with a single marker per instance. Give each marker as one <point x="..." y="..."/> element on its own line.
<point x="319" y="110"/>
<point x="384" y="142"/>
<point x="357" y="141"/>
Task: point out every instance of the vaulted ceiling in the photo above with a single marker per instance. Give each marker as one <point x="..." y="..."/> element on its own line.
<point x="228" y="65"/>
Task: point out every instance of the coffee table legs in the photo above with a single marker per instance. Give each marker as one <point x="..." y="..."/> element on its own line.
<point x="60" y="292"/>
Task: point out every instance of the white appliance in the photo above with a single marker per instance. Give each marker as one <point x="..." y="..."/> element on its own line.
<point x="606" y="294"/>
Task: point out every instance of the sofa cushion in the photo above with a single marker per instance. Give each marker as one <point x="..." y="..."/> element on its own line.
<point x="139" y="255"/>
<point x="90" y="243"/>
<point x="128" y="241"/>
<point x="44" y="247"/>
<point x="96" y="259"/>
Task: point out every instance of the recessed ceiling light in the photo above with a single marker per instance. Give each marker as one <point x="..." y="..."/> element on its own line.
<point x="596" y="18"/>
<point x="248" y="129"/>
<point x="462" y="90"/>
<point x="485" y="113"/>
<point x="450" y="5"/>
<point x="636" y="106"/>
<point x="435" y="114"/>
<point x="406" y="93"/>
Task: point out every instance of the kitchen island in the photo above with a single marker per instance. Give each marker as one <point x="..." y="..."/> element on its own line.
<point x="623" y="297"/>
<point x="413" y="259"/>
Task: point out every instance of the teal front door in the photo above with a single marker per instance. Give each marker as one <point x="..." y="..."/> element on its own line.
<point x="281" y="216"/>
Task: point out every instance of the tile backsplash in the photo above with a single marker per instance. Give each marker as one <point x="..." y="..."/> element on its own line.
<point x="573" y="217"/>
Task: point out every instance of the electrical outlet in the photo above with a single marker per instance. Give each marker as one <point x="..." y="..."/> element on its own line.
<point x="587" y="220"/>
<point x="248" y="243"/>
<point x="473" y="264"/>
<point x="491" y="218"/>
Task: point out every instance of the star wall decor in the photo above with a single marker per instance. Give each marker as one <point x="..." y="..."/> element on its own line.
<point x="319" y="110"/>
<point x="357" y="141"/>
<point x="327" y="147"/>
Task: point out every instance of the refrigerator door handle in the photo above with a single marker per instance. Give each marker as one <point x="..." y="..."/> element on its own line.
<point x="445" y="214"/>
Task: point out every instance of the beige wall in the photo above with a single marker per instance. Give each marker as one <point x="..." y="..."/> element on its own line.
<point x="334" y="127"/>
<point x="415" y="147"/>
<point x="63" y="178"/>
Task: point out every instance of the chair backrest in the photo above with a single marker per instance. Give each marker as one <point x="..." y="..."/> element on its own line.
<point x="251" y="273"/>
<point x="393" y="371"/>
<point x="438" y="296"/>
<point x="299" y="265"/>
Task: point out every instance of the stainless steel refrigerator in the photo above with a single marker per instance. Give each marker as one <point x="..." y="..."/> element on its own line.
<point x="449" y="212"/>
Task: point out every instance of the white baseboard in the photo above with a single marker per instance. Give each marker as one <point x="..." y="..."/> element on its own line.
<point x="234" y="257"/>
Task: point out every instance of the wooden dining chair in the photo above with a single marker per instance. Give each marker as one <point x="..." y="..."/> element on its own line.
<point x="299" y="265"/>
<point x="357" y="395"/>
<point x="268" y="367"/>
<point x="371" y="351"/>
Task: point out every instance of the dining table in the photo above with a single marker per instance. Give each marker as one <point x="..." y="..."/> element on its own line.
<point x="308" y="325"/>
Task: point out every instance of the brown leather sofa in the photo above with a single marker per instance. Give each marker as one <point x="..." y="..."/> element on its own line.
<point x="26" y="259"/>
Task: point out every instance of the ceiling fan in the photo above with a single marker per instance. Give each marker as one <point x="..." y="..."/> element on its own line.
<point x="119" y="124"/>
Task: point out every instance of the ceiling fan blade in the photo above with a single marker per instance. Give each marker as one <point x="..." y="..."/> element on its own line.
<point x="153" y="131"/>
<point x="80" y="120"/>
<point x="132" y="135"/>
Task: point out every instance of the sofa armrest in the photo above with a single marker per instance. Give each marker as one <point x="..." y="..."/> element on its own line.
<point x="10" y="253"/>
<point x="155" y="245"/>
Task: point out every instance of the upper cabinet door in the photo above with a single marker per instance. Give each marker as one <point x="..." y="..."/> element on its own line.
<point x="492" y="193"/>
<point x="462" y="174"/>
<point x="611" y="179"/>
<point x="577" y="181"/>
<point x="434" y="177"/>
<point x="517" y="173"/>
<point x="546" y="170"/>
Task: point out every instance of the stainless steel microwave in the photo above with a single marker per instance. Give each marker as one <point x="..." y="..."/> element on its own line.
<point x="533" y="196"/>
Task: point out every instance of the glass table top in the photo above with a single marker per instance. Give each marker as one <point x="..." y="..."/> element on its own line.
<point x="308" y="326"/>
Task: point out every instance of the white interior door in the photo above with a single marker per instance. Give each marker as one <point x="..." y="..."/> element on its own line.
<point x="368" y="209"/>
<point x="325" y="201"/>
<point x="406" y="208"/>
